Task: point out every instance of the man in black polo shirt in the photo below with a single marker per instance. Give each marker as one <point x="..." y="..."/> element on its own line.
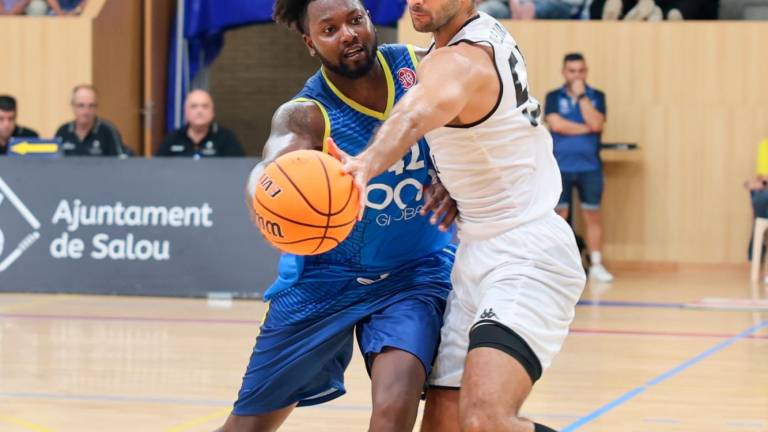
<point x="8" y="127"/>
<point x="201" y="137"/>
<point x="89" y="135"/>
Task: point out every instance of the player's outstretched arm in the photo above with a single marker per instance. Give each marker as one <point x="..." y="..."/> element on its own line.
<point x="295" y="126"/>
<point x="448" y="79"/>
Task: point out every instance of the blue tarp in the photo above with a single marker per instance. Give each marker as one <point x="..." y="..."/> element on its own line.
<point x="205" y="22"/>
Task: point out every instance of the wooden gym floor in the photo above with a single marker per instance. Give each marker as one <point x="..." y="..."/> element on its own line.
<point x="644" y="355"/>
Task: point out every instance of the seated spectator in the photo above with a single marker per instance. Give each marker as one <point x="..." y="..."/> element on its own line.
<point x="66" y="7"/>
<point x="654" y="10"/>
<point x="545" y="9"/>
<point x="531" y="9"/>
<point x="13" y="7"/>
<point x="8" y="127"/>
<point x="87" y="134"/>
<point x="37" y="8"/>
<point x="201" y="137"/>
<point x="498" y="9"/>
<point x="689" y="9"/>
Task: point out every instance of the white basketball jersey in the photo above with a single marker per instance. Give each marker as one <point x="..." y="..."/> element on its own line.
<point x="500" y="170"/>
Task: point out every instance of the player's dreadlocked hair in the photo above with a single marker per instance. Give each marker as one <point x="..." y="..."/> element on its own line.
<point x="291" y="13"/>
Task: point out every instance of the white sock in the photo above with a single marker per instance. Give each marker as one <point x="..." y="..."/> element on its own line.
<point x="595" y="258"/>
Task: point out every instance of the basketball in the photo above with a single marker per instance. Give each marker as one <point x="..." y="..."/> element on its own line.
<point x="304" y="203"/>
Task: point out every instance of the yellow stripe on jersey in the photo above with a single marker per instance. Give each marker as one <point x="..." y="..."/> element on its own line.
<point x="266" y="308"/>
<point x="327" y="119"/>
<point x="356" y="106"/>
<point x="414" y="57"/>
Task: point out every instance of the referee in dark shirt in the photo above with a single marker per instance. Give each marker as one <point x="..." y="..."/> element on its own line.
<point x="8" y="127"/>
<point x="201" y="137"/>
<point x="89" y="135"/>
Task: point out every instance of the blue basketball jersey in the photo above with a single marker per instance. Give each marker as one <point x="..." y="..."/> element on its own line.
<point x="392" y="233"/>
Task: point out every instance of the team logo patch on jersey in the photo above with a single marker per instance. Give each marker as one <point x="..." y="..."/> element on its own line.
<point x="407" y="77"/>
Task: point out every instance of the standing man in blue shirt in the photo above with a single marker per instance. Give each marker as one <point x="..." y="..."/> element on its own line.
<point x="575" y="114"/>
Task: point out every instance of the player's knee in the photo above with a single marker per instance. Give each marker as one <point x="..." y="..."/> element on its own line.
<point x="480" y="421"/>
<point x="487" y="420"/>
<point x="393" y="405"/>
<point x="389" y="406"/>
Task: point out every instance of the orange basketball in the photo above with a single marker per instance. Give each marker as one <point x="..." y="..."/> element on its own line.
<point x="304" y="203"/>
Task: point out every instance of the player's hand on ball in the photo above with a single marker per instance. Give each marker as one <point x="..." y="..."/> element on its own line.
<point x="355" y="167"/>
<point x="439" y="202"/>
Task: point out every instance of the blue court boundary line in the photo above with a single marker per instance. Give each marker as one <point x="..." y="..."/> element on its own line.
<point x="594" y="415"/>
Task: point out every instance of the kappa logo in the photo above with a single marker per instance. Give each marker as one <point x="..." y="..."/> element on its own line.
<point x="488" y="314"/>
<point x="407" y="77"/>
<point x="8" y="197"/>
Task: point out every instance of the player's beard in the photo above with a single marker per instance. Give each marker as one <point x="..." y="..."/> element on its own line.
<point x="440" y="17"/>
<point x="343" y="69"/>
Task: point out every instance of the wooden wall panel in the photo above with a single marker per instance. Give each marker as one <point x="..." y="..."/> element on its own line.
<point x="50" y="55"/>
<point x="117" y="73"/>
<point x="158" y="18"/>
<point x="692" y="95"/>
<point x="39" y="68"/>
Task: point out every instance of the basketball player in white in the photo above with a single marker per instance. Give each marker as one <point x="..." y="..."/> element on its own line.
<point x="518" y="275"/>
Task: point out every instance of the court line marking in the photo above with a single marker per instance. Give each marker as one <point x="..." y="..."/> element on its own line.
<point x="23" y="423"/>
<point x="43" y="300"/>
<point x="630" y="304"/>
<point x="219" y="413"/>
<point x="215" y="402"/>
<point x="619" y="332"/>
<point x="583" y="331"/>
<point x="126" y="318"/>
<point x="631" y="394"/>
<point x="9" y="312"/>
<point x="116" y="398"/>
<point x="746" y="423"/>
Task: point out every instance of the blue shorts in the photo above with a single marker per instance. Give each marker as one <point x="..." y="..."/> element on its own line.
<point x="305" y="342"/>
<point x="589" y="184"/>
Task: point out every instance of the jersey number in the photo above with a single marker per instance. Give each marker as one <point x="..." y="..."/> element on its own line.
<point x="520" y="79"/>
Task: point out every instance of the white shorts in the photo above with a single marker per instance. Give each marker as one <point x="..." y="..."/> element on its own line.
<point x="527" y="279"/>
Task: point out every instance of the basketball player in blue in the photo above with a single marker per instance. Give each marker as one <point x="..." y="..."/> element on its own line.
<point x="388" y="281"/>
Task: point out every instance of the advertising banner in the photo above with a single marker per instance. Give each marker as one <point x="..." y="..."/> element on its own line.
<point x="176" y="227"/>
